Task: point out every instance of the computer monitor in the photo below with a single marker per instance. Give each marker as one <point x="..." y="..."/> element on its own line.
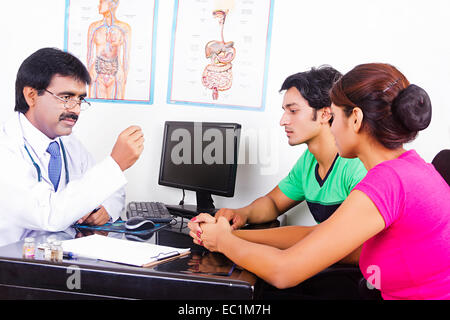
<point x="201" y="157"/>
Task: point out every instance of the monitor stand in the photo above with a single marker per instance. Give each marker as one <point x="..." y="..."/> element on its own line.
<point x="205" y="204"/>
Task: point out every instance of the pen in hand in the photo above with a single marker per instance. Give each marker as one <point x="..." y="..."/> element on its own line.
<point x="80" y="221"/>
<point x="95" y="210"/>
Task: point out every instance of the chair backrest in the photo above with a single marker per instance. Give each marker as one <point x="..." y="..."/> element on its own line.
<point x="442" y="164"/>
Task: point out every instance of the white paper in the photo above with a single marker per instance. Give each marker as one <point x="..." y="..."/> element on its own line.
<point x="118" y="250"/>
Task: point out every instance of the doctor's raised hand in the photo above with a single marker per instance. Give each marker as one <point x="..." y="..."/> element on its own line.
<point x="128" y="147"/>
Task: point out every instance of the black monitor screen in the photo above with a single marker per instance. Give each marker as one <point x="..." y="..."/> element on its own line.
<point x="200" y="156"/>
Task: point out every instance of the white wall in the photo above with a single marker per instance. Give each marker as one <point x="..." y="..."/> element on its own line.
<point x="410" y="34"/>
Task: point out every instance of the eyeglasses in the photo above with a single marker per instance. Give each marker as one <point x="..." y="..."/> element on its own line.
<point x="72" y="103"/>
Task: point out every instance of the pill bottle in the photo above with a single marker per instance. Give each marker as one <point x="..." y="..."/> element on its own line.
<point x="57" y="251"/>
<point x="29" y="248"/>
<point x="47" y="251"/>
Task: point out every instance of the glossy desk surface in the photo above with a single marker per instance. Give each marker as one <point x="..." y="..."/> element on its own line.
<point x="201" y="275"/>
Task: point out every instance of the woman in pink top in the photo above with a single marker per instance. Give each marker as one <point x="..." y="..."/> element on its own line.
<point x="376" y="111"/>
<point x="400" y="211"/>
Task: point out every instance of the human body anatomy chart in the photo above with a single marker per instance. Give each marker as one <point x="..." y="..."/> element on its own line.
<point x="115" y="39"/>
<point x="220" y="52"/>
<point x="108" y="54"/>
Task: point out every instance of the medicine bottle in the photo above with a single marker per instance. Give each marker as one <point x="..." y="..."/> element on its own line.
<point x="29" y="248"/>
<point x="47" y="251"/>
<point x="57" y="251"/>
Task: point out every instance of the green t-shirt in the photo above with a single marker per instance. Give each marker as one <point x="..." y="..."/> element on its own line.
<point x="322" y="196"/>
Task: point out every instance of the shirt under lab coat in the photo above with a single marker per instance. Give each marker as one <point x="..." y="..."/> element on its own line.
<point x="27" y="204"/>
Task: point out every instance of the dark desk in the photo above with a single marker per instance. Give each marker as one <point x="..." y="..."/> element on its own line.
<point x="179" y="279"/>
<point x="41" y="279"/>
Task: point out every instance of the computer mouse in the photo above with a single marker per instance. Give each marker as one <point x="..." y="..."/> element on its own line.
<point x="139" y="223"/>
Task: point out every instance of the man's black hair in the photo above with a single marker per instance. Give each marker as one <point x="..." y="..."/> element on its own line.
<point x="314" y="85"/>
<point x="38" y="70"/>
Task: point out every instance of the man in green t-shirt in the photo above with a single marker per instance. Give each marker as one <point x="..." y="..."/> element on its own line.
<point x="320" y="177"/>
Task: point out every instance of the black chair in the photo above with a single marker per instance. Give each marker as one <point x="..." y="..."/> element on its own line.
<point x="442" y="164"/>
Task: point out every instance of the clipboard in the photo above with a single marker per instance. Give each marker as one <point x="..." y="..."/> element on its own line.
<point x="139" y="254"/>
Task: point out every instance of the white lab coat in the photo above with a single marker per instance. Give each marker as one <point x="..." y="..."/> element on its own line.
<point x="26" y="204"/>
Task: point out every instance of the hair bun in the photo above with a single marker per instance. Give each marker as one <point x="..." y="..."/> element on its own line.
<point x="412" y="107"/>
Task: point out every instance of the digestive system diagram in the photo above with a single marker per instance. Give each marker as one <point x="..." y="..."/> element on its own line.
<point x="218" y="76"/>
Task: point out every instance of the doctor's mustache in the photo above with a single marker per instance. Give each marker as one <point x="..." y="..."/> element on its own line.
<point x="67" y="115"/>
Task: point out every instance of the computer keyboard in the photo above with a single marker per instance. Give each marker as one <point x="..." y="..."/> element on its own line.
<point x="154" y="211"/>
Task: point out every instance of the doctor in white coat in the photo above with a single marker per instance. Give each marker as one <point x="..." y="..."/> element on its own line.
<point x="44" y="191"/>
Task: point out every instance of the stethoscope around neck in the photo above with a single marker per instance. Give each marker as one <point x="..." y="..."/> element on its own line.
<point x="38" y="169"/>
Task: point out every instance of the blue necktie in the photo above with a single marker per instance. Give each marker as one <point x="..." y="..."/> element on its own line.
<point x="54" y="166"/>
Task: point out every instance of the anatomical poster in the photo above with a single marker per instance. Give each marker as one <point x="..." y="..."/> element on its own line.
<point x="220" y="53"/>
<point x="116" y="41"/>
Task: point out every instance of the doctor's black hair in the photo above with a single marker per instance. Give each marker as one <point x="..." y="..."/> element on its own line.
<point x="38" y="70"/>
